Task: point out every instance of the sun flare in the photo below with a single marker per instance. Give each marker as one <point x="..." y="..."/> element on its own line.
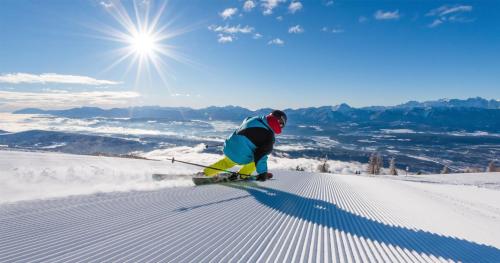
<point x="144" y="37"/>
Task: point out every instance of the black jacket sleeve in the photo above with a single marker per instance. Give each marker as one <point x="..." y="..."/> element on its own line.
<point x="262" y="138"/>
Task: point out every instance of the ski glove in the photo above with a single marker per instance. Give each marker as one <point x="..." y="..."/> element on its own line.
<point x="264" y="176"/>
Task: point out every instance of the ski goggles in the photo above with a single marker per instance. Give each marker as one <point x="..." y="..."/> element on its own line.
<point x="282" y="122"/>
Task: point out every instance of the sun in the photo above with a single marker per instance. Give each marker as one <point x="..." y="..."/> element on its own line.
<point x="143" y="44"/>
<point x="144" y="37"/>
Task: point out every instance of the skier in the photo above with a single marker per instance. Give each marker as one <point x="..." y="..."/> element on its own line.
<point x="250" y="145"/>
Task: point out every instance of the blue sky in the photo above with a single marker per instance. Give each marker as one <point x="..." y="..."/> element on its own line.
<point x="273" y="53"/>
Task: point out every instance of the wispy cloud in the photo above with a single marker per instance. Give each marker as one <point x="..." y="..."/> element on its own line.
<point x="335" y="30"/>
<point x="446" y="10"/>
<point x="436" y="23"/>
<point x="231" y="29"/>
<point x="448" y="13"/>
<point x="294" y="6"/>
<point x="296" y="30"/>
<point x="227" y="34"/>
<point x="277" y="42"/>
<point x="269" y="5"/>
<point x="257" y="36"/>
<point x="224" y="38"/>
<point x="386" y="15"/>
<point x="64" y="99"/>
<point x="180" y="95"/>
<point x="228" y="13"/>
<point x="329" y="3"/>
<point x="18" y="78"/>
<point x="106" y="4"/>
<point x="362" y="19"/>
<point x="248" y="5"/>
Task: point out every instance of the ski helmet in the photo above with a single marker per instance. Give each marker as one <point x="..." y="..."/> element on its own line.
<point x="281" y="116"/>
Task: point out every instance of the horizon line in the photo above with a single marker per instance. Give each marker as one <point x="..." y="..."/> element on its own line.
<point x="257" y="109"/>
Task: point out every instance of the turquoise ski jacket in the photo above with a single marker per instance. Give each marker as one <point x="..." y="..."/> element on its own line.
<point x="252" y="142"/>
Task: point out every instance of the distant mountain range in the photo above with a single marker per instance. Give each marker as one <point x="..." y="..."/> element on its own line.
<point x="454" y="103"/>
<point x="446" y="114"/>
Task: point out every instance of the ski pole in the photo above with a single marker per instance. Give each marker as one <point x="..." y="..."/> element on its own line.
<point x="204" y="166"/>
<point x="213" y="146"/>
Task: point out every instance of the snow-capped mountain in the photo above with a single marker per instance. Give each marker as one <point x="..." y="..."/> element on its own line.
<point x="445" y="115"/>
<point x="477" y="102"/>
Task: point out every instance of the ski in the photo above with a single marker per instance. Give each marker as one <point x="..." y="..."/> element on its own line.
<point x="202" y="179"/>
<point x="220" y="178"/>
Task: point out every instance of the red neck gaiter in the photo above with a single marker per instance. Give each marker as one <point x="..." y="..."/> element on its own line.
<point x="273" y="123"/>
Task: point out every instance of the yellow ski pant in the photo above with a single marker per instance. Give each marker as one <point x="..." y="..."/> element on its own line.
<point x="226" y="163"/>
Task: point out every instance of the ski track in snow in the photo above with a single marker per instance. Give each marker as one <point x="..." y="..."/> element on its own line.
<point x="299" y="217"/>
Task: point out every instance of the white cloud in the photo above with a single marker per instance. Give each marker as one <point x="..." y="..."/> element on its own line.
<point x="294" y="7"/>
<point x="64" y="99"/>
<point x="329" y="3"/>
<point x="279" y="18"/>
<point x="228" y="13"/>
<point x="296" y="29"/>
<point x="362" y="19"/>
<point x="231" y="29"/>
<point x="383" y="15"/>
<point x="106" y="4"/>
<point x="225" y="39"/>
<point x="18" y="78"/>
<point x="257" y="36"/>
<point x="248" y="5"/>
<point x="277" y="42"/>
<point x="269" y="5"/>
<point x="447" y="13"/>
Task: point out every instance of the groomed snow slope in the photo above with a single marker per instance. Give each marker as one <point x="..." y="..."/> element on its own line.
<point x="296" y="217"/>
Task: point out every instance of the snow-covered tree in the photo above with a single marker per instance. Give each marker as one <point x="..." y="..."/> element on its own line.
<point x="371" y="164"/>
<point x="392" y="167"/>
<point x="380" y="163"/>
<point x="445" y="170"/>
<point x="324" y="167"/>
<point x="374" y="164"/>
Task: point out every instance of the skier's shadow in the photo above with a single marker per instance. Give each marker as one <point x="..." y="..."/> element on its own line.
<point x="329" y="215"/>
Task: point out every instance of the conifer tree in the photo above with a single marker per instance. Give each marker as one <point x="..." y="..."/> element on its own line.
<point x="371" y="164"/>
<point x="491" y="167"/>
<point x="324" y="167"/>
<point x="392" y="167"/>
<point x="380" y="164"/>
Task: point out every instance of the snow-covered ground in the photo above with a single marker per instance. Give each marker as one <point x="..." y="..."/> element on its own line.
<point x="483" y="180"/>
<point x="110" y="210"/>
<point x="35" y="175"/>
